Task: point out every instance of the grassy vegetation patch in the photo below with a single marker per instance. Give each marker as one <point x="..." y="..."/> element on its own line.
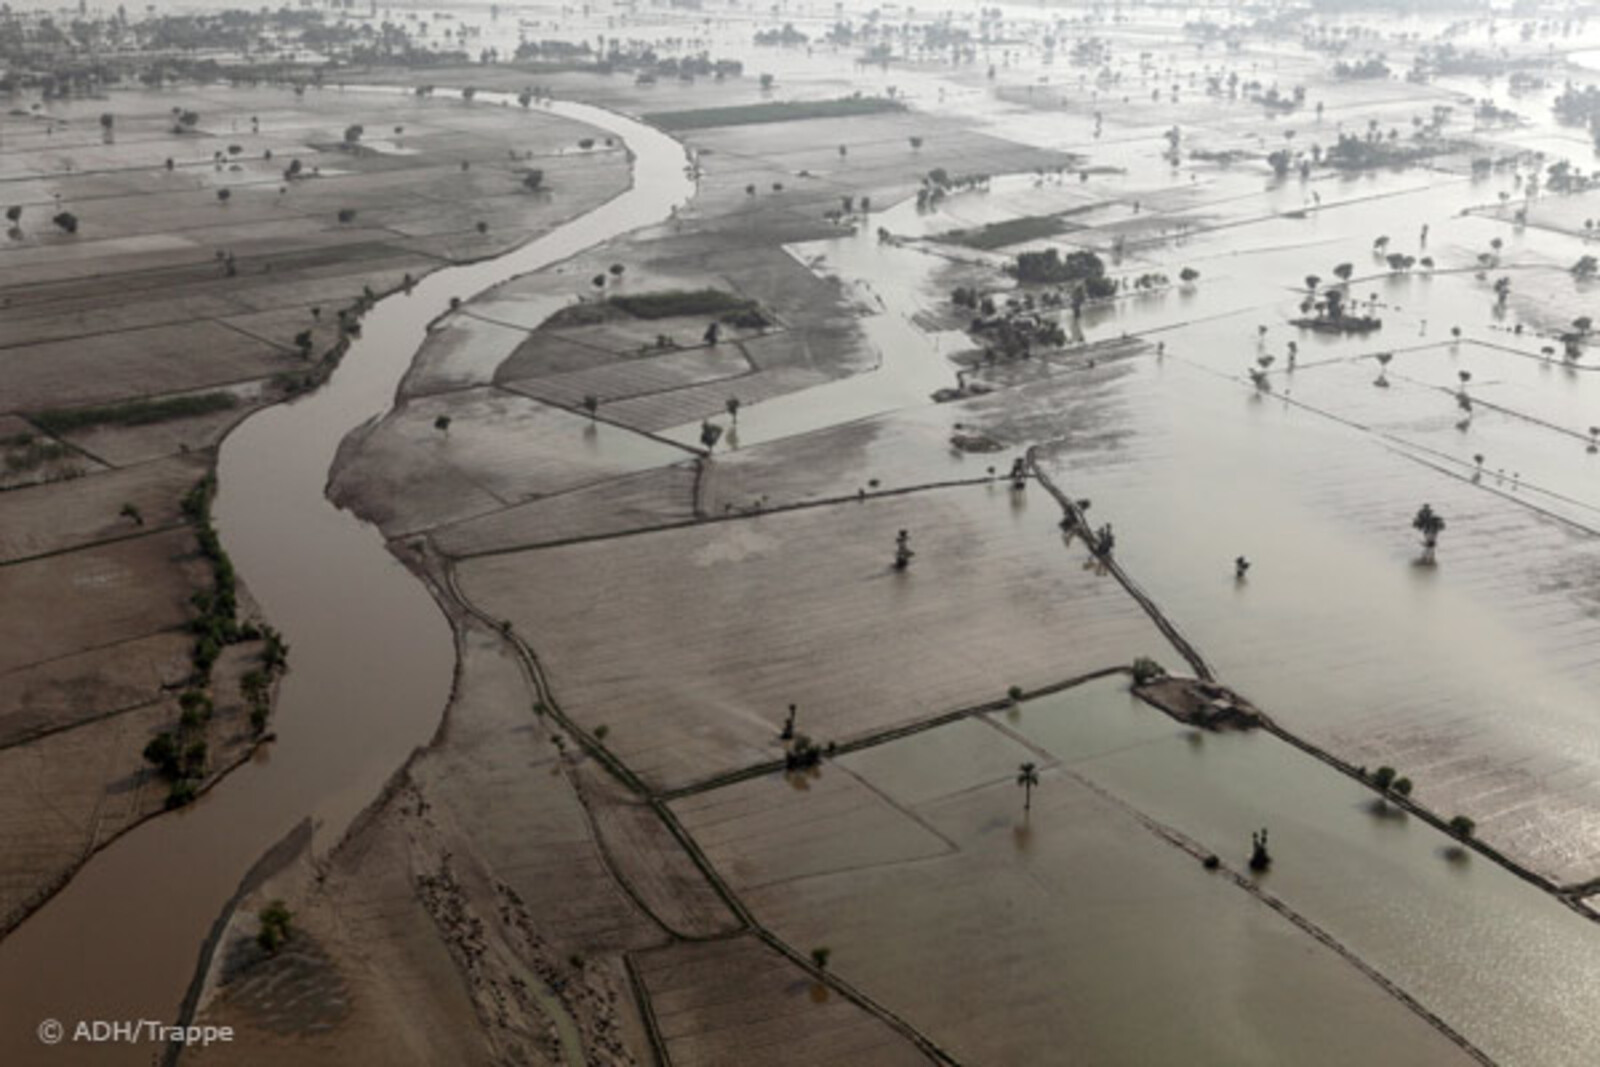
<point x="671" y="303"/>
<point x="134" y="412"/>
<point x="1010" y="232"/>
<point x="666" y="305"/>
<point x="27" y="453"/>
<point x="785" y="111"/>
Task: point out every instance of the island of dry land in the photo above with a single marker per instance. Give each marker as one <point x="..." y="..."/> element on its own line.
<point x="175" y="260"/>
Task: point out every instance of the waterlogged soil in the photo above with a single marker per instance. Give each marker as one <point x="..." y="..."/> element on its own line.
<point x="1330" y="837"/>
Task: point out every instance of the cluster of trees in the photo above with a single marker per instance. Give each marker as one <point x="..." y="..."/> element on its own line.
<point x="786" y="37"/>
<point x="180" y="755"/>
<point x="1580" y="107"/>
<point x="1332" y="310"/>
<point x="1371" y="67"/>
<point x="1016" y="335"/>
<point x="1083" y="270"/>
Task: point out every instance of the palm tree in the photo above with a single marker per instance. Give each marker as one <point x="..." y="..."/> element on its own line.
<point x="591" y="404"/>
<point x="1383" y="359"/>
<point x="1027" y="778"/>
<point x="733" y="409"/>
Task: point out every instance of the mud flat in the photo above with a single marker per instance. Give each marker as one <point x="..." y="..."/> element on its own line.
<point x="470" y="914"/>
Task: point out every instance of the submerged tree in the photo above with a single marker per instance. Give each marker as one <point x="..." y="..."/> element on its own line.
<point x="1383" y="359"/>
<point x="710" y="434"/>
<point x="1027" y="778"/>
<point x="1260" y="858"/>
<point x="1428" y="523"/>
<point x="902" y="550"/>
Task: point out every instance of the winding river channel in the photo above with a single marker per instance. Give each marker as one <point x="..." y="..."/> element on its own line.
<point x="371" y="656"/>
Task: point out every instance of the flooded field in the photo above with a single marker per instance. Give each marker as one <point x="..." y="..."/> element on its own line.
<point x="1350" y="865"/>
<point x="1069" y="905"/>
<point x="792" y="520"/>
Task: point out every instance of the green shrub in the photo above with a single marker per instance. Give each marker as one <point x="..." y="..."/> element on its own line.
<point x="275" y="921"/>
<point x="782" y="111"/>
<point x="162" y="751"/>
<point x="1147" y="670"/>
<point x="680" y="302"/>
<point x="134" y="412"/>
<point x="182" y="792"/>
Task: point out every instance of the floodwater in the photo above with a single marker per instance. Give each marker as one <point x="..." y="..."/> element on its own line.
<point x="1475" y="677"/>
<point x="371" y="659"/>
<point x="1514" y="971"/>
<point x="1218" y="471"/>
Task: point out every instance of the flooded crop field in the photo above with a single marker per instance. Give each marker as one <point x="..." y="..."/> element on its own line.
<point x="708" y="534"/>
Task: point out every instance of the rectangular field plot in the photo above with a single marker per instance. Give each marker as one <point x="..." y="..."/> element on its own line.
<point x="497" y="449"/>
<point x="735" y="1002"/>
<point x="97" y="596"/>
<point x="690" y="644"/>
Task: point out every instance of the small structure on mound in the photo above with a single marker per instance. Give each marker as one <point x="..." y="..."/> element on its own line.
<point x="1197" y="702"/>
